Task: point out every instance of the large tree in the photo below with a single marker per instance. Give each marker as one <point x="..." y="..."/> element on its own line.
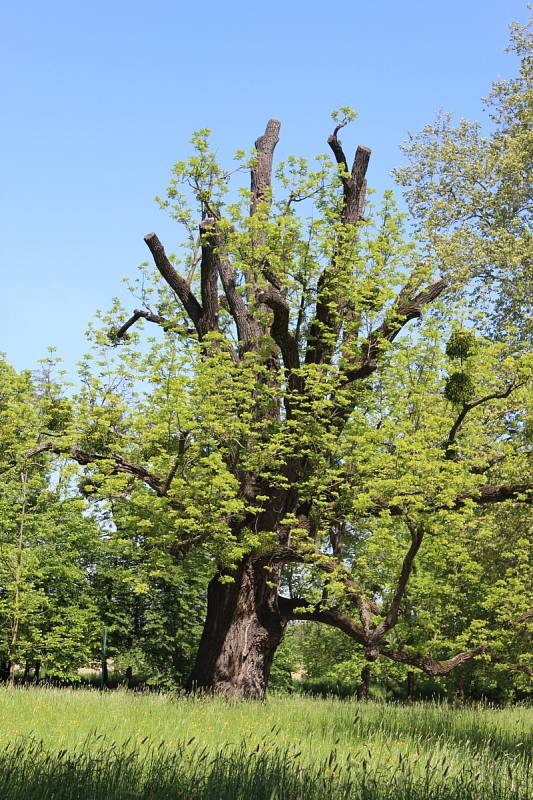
<point x="292" y="424"/>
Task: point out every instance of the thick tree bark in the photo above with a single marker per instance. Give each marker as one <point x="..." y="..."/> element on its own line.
<point x="242" y="631"/>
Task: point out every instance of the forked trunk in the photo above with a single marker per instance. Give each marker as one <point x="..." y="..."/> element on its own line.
<point x="242" y="631"/>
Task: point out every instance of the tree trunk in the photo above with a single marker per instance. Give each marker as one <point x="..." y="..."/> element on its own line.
<point x="364" y="687"/>
<point x="11" y="676"/>
<point x="14" y="638"/>
<point x="410" y="683"/>
<point x="104" y="677"/>
<point x="242" y="631"/>
<point x="129" y="677"/>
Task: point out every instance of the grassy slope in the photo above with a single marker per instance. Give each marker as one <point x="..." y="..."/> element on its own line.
<point x="306" y="748"/>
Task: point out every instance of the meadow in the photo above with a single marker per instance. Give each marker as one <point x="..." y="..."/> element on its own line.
<point x="61" y="744"/>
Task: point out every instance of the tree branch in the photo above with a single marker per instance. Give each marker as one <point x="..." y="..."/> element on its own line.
<point x="119" y="464"/>
<point x="279" y="329"/>
<point x="518" y="668"/>
<point x="292" y="608"/>
<point x="327" y="319"/>
<point x="208" y="277"/>
<point x="482" y="468"/>
<point x="364" y="606"/>
<point x="481" y="495"/>
<point x="178" y="284"/>
<point x="391" y="617"/>
<point x="150" y="317"/>
<point x="182" y="446"/>
<point x="406" y="308"/>
<point x="248" y="329"/>
<point x="42" y="447"/>
<point x="353" y="183"/>
<point x="449" y="444"/>
<point x="430" y="666"/>
<point x="331" y="565"/>
<point x="261" y="174"/>
<point x="485" y="495"/>
<point x="297" y="608"/>
<point x="338" y="152"/>
<point x="356" y="203"/>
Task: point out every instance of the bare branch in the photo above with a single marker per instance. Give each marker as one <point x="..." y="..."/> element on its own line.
<point x="248" y="329"/>
<point x="353" y="183"/>
<point x="208" y="277"/>
<point x="149" y="317"/>
<point x="336" y="146"/>
<point x="356" y="201"/>
<point x="175" y="281"/>
<point x="279" y="330"/>
<point x="261" y="174"/>
<point x="119" y="464"/>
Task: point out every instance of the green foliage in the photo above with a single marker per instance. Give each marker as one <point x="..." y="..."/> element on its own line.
<point x="459" y="388"/>
<point x="461" y="344"/>
<point x="470" y="195"/>
<point x="47" y="543"/>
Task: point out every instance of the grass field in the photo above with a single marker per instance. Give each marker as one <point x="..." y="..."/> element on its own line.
<point x="60" y="743"/>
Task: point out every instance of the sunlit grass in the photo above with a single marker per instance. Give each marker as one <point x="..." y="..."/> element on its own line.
<point x="73" y="744"/>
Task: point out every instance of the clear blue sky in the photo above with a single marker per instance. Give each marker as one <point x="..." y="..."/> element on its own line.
<point x="99" y="100"/>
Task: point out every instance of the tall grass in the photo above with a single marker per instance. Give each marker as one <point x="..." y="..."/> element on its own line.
<point x="120" y="746"/>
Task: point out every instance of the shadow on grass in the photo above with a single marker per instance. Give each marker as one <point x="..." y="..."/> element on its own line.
<point x="464" y="726"/>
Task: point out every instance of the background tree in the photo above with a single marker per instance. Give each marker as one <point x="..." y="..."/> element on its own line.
<point x="69" y="567"/>
<point x="470" y="195"/>
<point x="47" y="545"/>
<point x="151" y="605"/>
